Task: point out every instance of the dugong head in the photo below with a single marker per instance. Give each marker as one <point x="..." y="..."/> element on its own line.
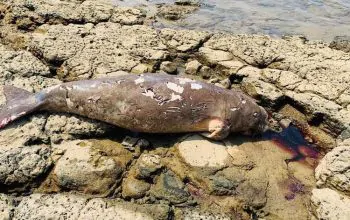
<point x="251" y="118"/>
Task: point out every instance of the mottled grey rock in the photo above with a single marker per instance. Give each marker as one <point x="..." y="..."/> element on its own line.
<point x="169" y="187"/>
<point x="341" y="43"/>
<point x="176" y="12"/>
<point x="330" y="205"/>
<point x="21" y="165"/>
<point x="334" y="169"/>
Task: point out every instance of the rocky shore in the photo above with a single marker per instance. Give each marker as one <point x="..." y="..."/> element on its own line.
<point x="62" y="166"/>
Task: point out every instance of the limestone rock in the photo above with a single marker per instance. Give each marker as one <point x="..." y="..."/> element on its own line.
<point x="214" y="56"/>
<point x="70" y="206"/>
<point x="67" y="127"/>
<point x="85" y="169"/>
<point x="261" y="89"/>
<point x="6" y="207"/>
<point x="108" y="209"/>
<point x="333" y="171"/>
<point x="147" y="165"/>
<point x="195" y="214"/>
<point x="20" y="63"/>
<point x="87" y="50"/>
<point x="28" y="15"/>
<point x="169" y="67"/>
<point x="134" y="188"/>
<point x="200" y="152"/>
<point x="330" y="205"/>
<point x="183" y="40"/>
<point x="22" y="165"/>
<point x="233" y="65"/>
<point x="317" y="74"/>
<point x="193" y="66"/>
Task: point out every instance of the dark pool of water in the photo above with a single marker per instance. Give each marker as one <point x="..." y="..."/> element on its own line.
<point x="292" y="140"/>
<point x="315" y="19"/>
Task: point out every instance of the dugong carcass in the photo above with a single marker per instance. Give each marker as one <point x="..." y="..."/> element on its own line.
<point x="152" y="103"/>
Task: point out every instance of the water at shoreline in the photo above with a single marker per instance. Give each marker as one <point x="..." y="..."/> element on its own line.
<point x="315" y="19"/>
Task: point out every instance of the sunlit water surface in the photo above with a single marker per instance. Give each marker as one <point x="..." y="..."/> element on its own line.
<point x="315" y="19"/>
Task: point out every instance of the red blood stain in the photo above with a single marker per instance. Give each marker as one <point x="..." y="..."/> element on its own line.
<point x="292" y="140"/>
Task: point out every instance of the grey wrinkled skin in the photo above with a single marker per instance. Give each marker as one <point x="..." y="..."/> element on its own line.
<point x="157" y="103"/>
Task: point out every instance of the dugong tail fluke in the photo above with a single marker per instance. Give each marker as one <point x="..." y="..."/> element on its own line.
<point x="19" y="102"/>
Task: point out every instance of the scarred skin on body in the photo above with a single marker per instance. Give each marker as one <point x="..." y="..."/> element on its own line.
<point x="152" y="103"/>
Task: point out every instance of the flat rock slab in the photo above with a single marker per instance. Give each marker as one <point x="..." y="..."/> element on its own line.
<point x="334" y="169"/>
<point x="200" y="152"/>
<point x="69" y="206"/>
<point x="330" y="205"/>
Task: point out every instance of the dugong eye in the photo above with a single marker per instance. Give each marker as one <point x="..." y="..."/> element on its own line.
<point x="255" y="114"/>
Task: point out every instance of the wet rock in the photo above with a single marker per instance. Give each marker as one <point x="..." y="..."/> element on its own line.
<point x="87" y="169"/>
<point x="6" y="207"/>
<point x="200" y="152"/>
<point x="322" y="139"/>
<point x="249" y="186"/>
<point x="147" y="165"/>
<point x="293" y="114"/>
<point x="192" y="67"/>
<point x="67" y="127"/>
<point x="70" y="206"/>
<point x="187" y="2"/>
<point x="341" y="43"/>
<point x="333" y="171"/>
<point x="169" y="187"/>
<point x="169" y="67"/>
<point x="264" y="181"/>
<point x="328" y="204"/>
<point x="176" y="12"/>
<point x="134" y="188"/>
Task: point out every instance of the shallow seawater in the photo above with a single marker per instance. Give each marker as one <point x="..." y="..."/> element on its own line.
<point x="292" y="140"/>
<point x="315" y="19"/>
